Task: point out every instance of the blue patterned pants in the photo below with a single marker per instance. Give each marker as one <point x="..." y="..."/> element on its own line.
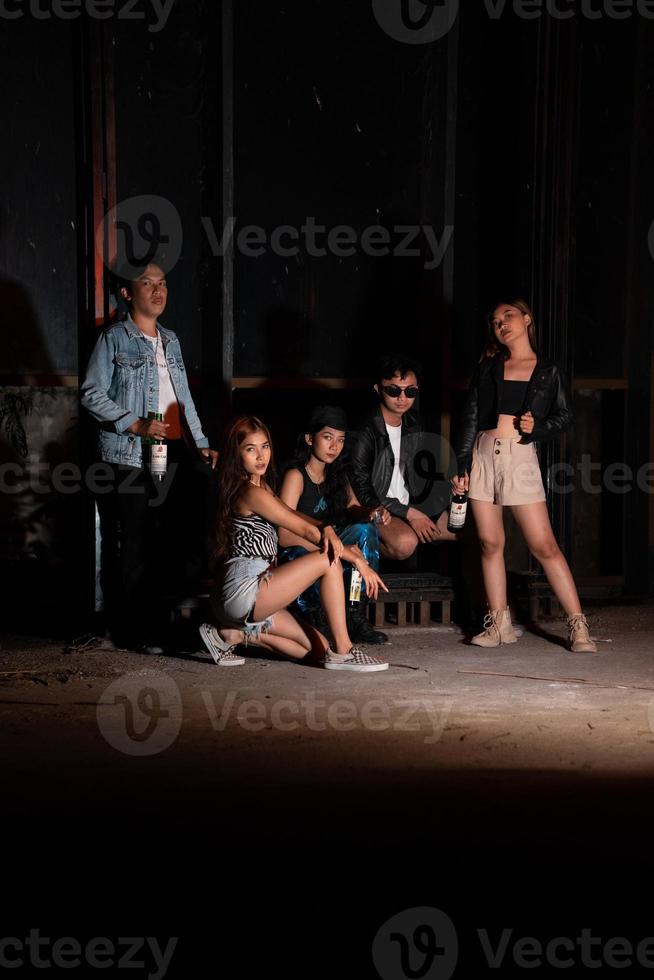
<point x="365" y="536"/>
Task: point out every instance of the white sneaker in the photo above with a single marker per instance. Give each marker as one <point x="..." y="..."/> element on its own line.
<point x="218" y="648"/>
<point x="354" y="659"/>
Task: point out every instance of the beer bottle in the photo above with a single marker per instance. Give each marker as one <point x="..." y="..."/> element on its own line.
<point x="355" y="589"/>
<point x="458" y="509"/>
<point x="158" y="451"/>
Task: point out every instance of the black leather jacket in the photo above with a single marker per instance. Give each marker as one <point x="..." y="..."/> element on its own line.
<point x="548" y="399"/>
<point x="372" y="461"/>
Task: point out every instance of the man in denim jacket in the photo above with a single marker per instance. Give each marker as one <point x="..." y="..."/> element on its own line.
<point x="137" y="368"/>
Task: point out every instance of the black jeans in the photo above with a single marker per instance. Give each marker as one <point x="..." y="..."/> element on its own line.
<point x="154" y="544"/>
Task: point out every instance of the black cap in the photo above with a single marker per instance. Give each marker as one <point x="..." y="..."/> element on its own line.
<point x="327" y="415"/>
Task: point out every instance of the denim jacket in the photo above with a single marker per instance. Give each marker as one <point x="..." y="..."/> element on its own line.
<point x="122" y="386"/>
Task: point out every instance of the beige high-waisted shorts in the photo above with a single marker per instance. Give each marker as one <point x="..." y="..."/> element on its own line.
<point x="505" y="471"/>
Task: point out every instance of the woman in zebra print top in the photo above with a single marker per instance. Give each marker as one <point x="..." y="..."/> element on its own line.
<point x="251" y="593"/>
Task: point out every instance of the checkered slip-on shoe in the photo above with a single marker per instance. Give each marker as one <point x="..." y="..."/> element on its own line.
<point x="219" y="650"/>
<point x="354" y="659"/>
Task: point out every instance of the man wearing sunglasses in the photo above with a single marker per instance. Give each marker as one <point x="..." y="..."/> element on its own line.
<point x="381" y="454"/>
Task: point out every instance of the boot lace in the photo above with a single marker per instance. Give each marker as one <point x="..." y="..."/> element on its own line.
<point x="577" y="622"/>
<point x="490" y="624"/>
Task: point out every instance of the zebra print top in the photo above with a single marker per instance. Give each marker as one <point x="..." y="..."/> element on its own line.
<point x="253" y="537"/>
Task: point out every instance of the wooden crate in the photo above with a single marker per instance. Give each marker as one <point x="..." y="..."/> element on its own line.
<point x="409" y="600"/>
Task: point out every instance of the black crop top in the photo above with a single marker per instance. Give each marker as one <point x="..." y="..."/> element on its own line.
<point x="512" y="397"/>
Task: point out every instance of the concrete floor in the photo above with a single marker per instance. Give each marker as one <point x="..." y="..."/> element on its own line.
<point x="247" y="810"/>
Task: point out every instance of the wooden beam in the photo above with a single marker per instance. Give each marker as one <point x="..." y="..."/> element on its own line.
<point x="336" y="384"/>
<point x="600" y="384"/>
<point x="39" y="381"/>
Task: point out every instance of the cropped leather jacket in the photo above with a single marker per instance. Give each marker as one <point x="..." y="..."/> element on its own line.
<point x="548" y="399"/>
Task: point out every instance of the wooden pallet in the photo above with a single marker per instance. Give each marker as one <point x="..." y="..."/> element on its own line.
<point x="410" y="598"/>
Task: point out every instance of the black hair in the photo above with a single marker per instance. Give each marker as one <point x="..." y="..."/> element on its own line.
<point x="337" y="483"/>
<point x="392" y="364"/>
<point x="123" y="277"/>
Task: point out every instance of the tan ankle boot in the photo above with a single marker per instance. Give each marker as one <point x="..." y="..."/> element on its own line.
<point x="579" y="637"/>
<point x="497" y="629"/>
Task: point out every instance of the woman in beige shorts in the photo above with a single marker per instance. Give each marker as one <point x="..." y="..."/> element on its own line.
<point x="516" y="398"/>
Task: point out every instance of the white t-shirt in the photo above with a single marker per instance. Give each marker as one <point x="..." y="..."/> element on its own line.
<point x="168" y="404"/>
<point x="397" y="489"/>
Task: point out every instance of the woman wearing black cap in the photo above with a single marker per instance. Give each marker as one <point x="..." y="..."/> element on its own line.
<point x="316" y="484"/>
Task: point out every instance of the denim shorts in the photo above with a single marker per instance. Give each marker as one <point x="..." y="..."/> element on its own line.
<point x="235" y="595"/>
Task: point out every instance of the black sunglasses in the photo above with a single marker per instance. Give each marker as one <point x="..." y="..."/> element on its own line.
<point x="394" y="391"/>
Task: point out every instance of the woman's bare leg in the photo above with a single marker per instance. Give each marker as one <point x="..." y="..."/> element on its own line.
<point x="287" y="637"/>
<point x="490" y="529"/>
<point x="287" y="582"/>
<point x="332" y="597"/>
<point x="534" y="522"/>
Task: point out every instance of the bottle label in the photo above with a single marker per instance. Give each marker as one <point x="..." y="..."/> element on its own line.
<point x="159" y="459"/>
<point x="355" y="586"/>
<point x="458" y="514"/>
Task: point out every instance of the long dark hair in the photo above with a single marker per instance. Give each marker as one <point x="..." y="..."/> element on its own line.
<point x="337" y="484"/>
<point x="232" y="476"/>
<point x="493" y="345"/>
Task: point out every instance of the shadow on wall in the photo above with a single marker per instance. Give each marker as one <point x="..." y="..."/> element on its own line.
<point x="39" y="513"/>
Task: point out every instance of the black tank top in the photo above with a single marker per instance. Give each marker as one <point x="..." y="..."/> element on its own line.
<point x="312" y="500"/>
<point x="512" y="397"/>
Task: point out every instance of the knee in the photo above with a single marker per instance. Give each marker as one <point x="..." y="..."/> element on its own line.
<point x="403" y="546"/>
<point x="546" y="549"/>
<point x="491" y="546"/>
<point x="335" y="568"/>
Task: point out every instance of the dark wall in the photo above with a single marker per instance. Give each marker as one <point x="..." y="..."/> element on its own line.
<point x="330" y="126"/>
<point x="336" y="121"/>
<point x="166" y="93"/>
<point x="38" y="218"/>
<point x="498" y="83"/>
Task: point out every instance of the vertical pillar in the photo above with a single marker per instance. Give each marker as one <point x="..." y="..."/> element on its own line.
<point x="96" y="181"/>
<point x="637" y="330"/>
<point x="228" y="202"/>
<point x="552" y="257"/>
